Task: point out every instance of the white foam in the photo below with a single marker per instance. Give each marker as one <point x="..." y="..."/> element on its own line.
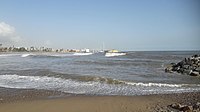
<point x="155" y="84"/>
<point x="48" y="54"/>
<point x="114" y="54"/>
<point x="91" y="87"/>
<point x="25" y="55"/>
<point x="8" y="55"/>
<point x="82" y="54"/>
<point x="33" y="81"/>
<point x="61" y="55"/>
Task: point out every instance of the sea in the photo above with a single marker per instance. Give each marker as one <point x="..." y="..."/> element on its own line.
<point x="137" y="73"/>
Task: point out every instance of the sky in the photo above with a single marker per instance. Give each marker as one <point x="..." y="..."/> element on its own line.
<point x="136" y="25"/>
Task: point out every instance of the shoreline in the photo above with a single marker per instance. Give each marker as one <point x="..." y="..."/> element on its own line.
<point x="32" y="100"/>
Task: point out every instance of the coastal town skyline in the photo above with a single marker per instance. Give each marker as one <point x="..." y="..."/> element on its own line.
<point x="157" y="25"/>
<point x="43" y="49"/>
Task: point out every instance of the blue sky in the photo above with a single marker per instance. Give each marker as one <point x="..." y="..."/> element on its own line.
<point x="120" y="24"/>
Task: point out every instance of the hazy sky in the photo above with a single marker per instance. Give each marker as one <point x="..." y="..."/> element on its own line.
<point x="120" y="24"/>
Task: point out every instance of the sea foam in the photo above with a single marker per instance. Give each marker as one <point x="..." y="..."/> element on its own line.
<point x="91" y="87"/>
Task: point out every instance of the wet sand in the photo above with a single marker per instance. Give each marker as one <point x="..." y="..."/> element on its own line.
<point x="50" y="101"/>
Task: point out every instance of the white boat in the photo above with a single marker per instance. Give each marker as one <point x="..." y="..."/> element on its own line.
<point x="112" y="53"/>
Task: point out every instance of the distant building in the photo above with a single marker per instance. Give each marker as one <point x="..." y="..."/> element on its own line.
<point x="32" y="49"/>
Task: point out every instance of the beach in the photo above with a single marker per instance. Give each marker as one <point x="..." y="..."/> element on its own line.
<point x="100" y="56"/>
<point x="30" y="100"/>
<point x="136" y="82"/>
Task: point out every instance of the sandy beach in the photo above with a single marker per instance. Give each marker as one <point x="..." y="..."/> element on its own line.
<point x="50" y="101"/>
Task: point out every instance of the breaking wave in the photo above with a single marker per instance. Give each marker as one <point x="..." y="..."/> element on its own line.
<point x="26" y="55"/>
<point x="8" y="55"/>
<point x="98" y="86"/>
<point x="46" y="55"/>
<point x="115" y="81"/>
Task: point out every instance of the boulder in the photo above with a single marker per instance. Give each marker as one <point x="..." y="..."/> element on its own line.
<point x="194" y="73"/>
<point x="173" y="64"/>
<point x="197" y="69"/>
<point x="175" y="68"/>
<point x="169" y="69"/>
<point x="176" y="106"/>
<point x="187" y="109"/>
<point x="196" y="106"/>
<point x="186" y="66"/>
<point x="181" y="63"/>
<point x="189" y="66"/>
<point x="187" y="72"/>
<point x="181" y="70"/>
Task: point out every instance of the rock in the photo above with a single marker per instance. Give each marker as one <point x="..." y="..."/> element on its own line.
<point x="175" y="68"/>
<point x="173" y="64"/>
<point x="189" y="66"/>
<point x="186" y="66"/>
<point x="194" y="65"/>
<point x="187" y="109"/>
<point x="195" y="56"/>
<point x="169" y="69"/>
<point x="187" y="72"/>
<point x="181" y="63"/>
<point x="176" y="106"/>
<point x="196" y="106"/>
<point x="189" y="62"/>
<point x="194" y="73"/>
<point x="197" y="69"/>
<point x="181" y="70"/>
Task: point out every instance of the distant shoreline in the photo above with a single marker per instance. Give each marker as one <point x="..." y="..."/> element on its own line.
<point x="75" y="52"/>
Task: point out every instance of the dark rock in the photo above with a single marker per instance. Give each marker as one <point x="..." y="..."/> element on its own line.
<point x="189" y="62"/>
<point x="187" y="72"/>
<point x="173" y="64"/>
<point x="186" y="66"/>
<point x="195" y="56"/>
<point x="181" y="63"/>
<point x="187" y="109"/>
<point x="176" y="106"/>
<point x="194" y="73"/>
<point x="189" y="66"/>
<point x="181" y="70"/>
<point x="196" y="106"/>
<point x="175" y="68"/>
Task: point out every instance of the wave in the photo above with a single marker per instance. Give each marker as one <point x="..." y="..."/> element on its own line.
<point x="159" y="84"/>
<point x="82" y="54"/>
<point x="8" y="55"/>
<point x="115" y="81"/>
<point x="108" y="54"/>
<point x="98" y="86"/>
<point x="26" y="55"/>
<point x="46" y="55"/>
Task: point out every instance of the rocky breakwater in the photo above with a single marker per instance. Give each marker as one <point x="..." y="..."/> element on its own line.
<point x="186" y="108"/>
<point x="189" y="66"/>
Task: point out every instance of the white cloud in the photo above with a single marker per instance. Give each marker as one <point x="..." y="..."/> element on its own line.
<point x="8" y="35"/>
